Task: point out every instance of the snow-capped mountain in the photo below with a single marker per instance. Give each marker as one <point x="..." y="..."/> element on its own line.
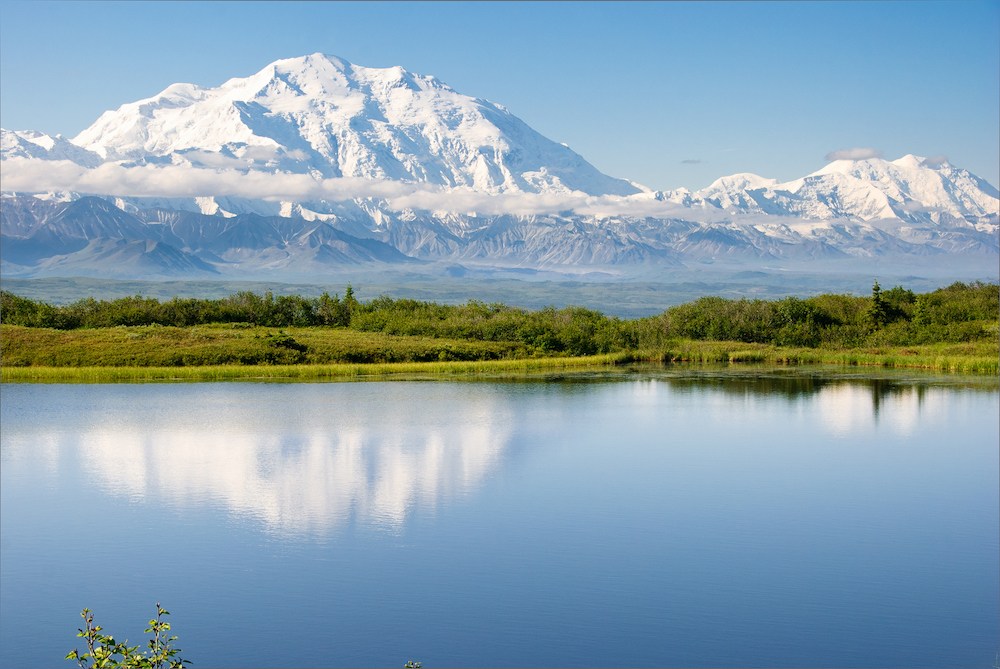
<point x="140" y="191"/>
<point x="912" y="189"/>
<point x="38" y="145"/>
<point x="733" y="192"/>
<point x="324" y="116"/>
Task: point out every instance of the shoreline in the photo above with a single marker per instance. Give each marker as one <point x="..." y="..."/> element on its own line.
<point x="690" y="355"/>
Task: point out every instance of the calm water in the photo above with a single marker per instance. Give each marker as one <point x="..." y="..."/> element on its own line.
<point x="637" y="520"/>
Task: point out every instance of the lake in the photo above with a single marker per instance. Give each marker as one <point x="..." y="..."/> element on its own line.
<point x="652" y="517"/>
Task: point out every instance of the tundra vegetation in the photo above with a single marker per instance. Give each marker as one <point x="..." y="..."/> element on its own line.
<point x="953" y="328"/>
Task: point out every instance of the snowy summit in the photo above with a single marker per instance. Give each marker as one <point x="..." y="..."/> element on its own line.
<point x="324" y="116"/>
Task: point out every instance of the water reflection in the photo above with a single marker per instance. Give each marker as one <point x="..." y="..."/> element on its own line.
<point x="306" y="459"/>
<point x="843" y="405"/>
<point x="310" y="483"/>
<point x="299" y="459"/>
<point x="851" y="408"/>
<point x="629" y="520"/>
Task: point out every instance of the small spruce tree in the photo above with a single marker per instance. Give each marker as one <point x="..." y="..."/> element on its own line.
<point x="877" y="311"/>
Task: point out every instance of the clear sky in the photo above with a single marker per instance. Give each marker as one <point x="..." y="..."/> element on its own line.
<point x="668" y="94"/>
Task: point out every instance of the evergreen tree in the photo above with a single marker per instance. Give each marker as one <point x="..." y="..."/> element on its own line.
<point x="877" y="311"/>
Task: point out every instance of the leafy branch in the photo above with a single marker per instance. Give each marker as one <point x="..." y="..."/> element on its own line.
<point x="104" y="652"/>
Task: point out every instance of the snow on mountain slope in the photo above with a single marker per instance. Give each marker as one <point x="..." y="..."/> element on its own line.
<point x="912" y="185"/>
<point x="33" y="144"/>
<point x="731" y="192"/>
<point x="57" y="238"/>
<point x="911" y="188"/>
<point x="324" y="116"/>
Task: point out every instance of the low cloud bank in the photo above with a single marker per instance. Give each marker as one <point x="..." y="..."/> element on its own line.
<point x="175" y="181"/>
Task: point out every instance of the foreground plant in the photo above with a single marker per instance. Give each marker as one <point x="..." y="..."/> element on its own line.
<point x="103" y="652"/>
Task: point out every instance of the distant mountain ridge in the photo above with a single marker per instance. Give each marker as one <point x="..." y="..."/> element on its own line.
<point x="319" y="119"/>
<point x="910" y="189"/>
<point x="33" y="144"/>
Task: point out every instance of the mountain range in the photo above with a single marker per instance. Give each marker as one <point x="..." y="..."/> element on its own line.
<point x="314" y="164"/>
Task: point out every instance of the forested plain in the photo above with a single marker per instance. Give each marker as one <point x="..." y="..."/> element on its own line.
<point x="959" y="321"/>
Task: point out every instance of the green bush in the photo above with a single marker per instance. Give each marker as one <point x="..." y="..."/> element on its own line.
<point x="102" y="651"/>
<point x="958" y="313"/>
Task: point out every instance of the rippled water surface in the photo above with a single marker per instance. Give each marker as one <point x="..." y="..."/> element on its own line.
<point x="641" y="519"/>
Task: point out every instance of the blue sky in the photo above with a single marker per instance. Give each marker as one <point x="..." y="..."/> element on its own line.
<point x="667" y="94"/>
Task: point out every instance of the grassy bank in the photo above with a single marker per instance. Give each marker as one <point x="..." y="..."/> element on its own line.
<point x="196" y="346"/>
<point x="301" y="372"/>
<point x="953" y="329"/>
<point x="969" y="358"/>
<point x="213" y="353"/>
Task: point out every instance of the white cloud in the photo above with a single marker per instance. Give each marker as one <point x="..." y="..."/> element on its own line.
<point x="935" y="161"/>
<point x="212" y="159"/>
<point x="856" y="153"/>
<point x="184" y="181"/>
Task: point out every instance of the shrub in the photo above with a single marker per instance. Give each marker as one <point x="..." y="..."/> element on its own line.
<point x="104" y="652"/>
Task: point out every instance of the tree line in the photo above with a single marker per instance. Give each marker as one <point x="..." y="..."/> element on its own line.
<point x="957" y="313"/>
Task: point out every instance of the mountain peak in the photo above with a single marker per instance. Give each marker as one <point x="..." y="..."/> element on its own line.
<point x="910" y="188"/>
<point x="909" y="160"/>
<point x="851" y="165"/>
<point x="324" y="116"/>
<point x="741" y="180"/>
<point x="933" y="163"/>
<point x="34" y="144"/>
<point x="906" y="162"/>
<point x="311" y="64"/>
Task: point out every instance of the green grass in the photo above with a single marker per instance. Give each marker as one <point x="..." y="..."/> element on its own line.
<point x="227" y="352"/>
<point x="159" y="346"/>
<point x="301" y="372"/>
<point x="967" y="358"/>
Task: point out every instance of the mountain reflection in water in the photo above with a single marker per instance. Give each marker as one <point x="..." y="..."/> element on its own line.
<point x="308" y="458"/>
<point x="638" y="517"/>
<point x="304" y="461"/>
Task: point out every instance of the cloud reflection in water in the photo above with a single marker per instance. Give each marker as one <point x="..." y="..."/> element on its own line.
<point x="301" y="470"/>
<point x="306" y="459"/>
